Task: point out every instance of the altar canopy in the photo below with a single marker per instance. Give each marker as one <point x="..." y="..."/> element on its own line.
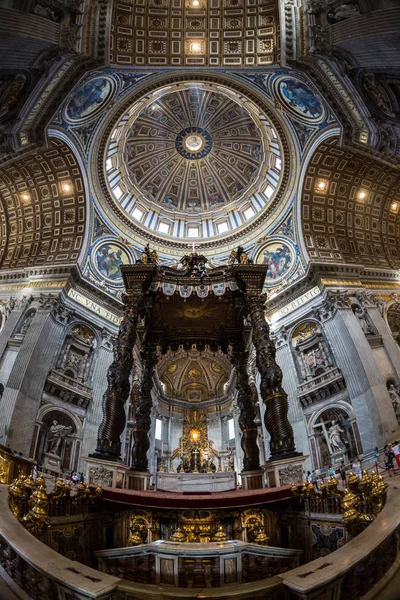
<point x="218" y="308"/>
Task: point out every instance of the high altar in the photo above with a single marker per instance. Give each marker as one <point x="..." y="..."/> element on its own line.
<point x="207" y="311"/>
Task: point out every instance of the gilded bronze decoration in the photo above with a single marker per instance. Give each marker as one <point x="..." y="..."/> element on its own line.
<point x="141" y="442"/>
<point x="273" y="395"/>
<point x="113" y="423"/>
<point x="247" y="409"/>
<point x="195" y="449"/>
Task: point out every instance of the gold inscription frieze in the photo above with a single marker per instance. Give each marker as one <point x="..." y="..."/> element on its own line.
<point x="93" y="306"/>
<point x="33" y="284"/>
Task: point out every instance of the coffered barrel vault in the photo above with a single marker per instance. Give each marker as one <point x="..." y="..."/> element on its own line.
<point x="44" y="207"/>
<point x="350" y="208"/>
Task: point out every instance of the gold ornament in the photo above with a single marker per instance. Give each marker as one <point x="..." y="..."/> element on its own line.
<point x="220" y="536"/>
<point x="178" y="536"/>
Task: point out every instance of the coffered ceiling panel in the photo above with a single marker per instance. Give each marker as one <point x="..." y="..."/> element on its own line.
<point x="195" y="32"/>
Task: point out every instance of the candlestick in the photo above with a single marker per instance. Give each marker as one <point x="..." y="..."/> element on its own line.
<point x="162" y="448"/>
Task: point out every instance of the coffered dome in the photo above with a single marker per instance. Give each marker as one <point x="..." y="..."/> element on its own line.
<point x="193" y="159"/>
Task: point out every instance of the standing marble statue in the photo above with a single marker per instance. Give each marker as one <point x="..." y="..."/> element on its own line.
<point x="363" y="320"/>
<point x="336" y="438"/>
<point x="57" y="433"/>
<point x="395" y="398"/>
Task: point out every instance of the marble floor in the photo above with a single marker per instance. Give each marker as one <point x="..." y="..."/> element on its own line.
<point x="6" y="593"/>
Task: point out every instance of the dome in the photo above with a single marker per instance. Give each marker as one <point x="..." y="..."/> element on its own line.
<point x="193" y="159"/>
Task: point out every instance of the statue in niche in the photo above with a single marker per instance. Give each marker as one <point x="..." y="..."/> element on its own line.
<point x="376" y="94"/>
<point x="26" y="323"/>
<point x="57" y="433"/>
<point x="336" y="437"/>
<point x="364" y="320"/>
<point x="323" y="446"/>
<point x="343" y="12"/>
<point x="395" y="398"/>
<point x="11" y="90"/>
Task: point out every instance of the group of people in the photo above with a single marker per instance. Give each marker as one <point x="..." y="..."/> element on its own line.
<point x="312" y="477"/>
<point x="77" y="477"/>
<point x="392" y="453"/>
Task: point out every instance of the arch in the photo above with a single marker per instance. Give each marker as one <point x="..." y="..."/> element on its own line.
<point x="339" y="404"/>
<point x="64" y="137"/>
<point x="44" y="196"/>
<point x="350" y="208"/>
<point x="49" y="408"/>
<point x="327" y="134"/>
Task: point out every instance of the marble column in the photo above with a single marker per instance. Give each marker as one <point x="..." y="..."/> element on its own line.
<point x="247" y="410"/>
<point x="273" y="395"/>
<point x="141" y="428"/>
<point x="118" y="377"/>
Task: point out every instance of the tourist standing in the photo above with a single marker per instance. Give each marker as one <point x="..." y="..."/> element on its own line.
<point x="389" y="454"/>
<point x="342" y="471"/>
<point x="356" y="466"/>
<point x="314" y="479"/>
<point x="396" y="451"/>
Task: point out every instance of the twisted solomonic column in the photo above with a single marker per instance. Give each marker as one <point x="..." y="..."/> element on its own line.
<point x="247" y="410"/>
<point x="141" y="442"/>
<point x="114" y="419"/>
<point x="275" y="398"/>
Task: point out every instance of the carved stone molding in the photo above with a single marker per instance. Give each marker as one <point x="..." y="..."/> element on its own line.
<point x="61" y="313"/>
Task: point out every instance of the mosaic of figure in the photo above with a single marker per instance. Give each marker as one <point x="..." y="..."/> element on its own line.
<point x="109" y="258"/>
<point x="88" y="98"/>
<point x="279" y="259"/>
<point x="300" y="98"/>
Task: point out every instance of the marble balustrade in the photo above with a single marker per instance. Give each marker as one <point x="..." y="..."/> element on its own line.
<point x="351" y="571"/>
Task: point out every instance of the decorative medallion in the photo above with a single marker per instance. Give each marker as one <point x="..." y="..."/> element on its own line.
<point x="300" y="99"/>
<point x="279" y="257"/>
<point x="216" y="368"/>
<point x="172" y="368"/>
<point x="194" y="375"/>
<point x="89" y="99"/>
<point x="107" y="258"/>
